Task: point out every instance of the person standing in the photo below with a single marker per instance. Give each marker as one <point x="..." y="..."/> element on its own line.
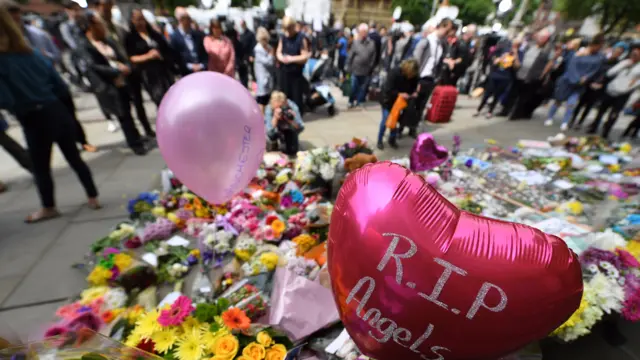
<point x="248" y="43"/>
<point x="151" y="57"/>
<point x="580" y="71"/>
<point x="530" y="71"/>
<point x="107" y="70"/>
<point x="263" y="68"/>
<point x="429" y="53"/>
<point x="292" y="52"/>
<point x="360" y="63"/>
<point x="189" y="44"/>
<point x="222" y="57"/>
<point x="625" y="79"/>
<point x="343" y="51"/>
<point x="595" y="91"/>
<point x="28" y="87"/>
<point x="500" y="78"/>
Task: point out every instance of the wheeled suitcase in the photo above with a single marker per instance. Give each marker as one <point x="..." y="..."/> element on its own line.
<point x="443" y="101"/>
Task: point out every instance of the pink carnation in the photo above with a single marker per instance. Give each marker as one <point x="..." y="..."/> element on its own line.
<point x="268" y="233"/>
<point x="68" y="311"/>
<point x="176" y="314"/>
<point x="631" y="309"/>
<point x="627" y="259"/>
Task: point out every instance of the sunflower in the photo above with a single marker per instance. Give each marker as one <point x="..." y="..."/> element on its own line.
<point x="235" y="318"/>
<point x="148" y="324"/>
<point x="189" y="347"/>
<point x="164" y="340"/>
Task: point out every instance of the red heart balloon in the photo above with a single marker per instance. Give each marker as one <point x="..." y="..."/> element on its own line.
<point x="416" y="278"/>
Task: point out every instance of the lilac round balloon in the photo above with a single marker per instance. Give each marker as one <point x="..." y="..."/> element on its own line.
<point x="211" y="134"/>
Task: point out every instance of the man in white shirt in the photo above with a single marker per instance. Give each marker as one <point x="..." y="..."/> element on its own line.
<point x="429" y="53"/>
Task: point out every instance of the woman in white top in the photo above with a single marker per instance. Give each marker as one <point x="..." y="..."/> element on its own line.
<point x="263" y="67"/>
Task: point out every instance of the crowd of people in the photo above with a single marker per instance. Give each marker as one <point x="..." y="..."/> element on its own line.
<point x="116" y="62"/>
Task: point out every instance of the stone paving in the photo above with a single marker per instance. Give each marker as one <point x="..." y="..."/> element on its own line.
<point x="35" y="272"/>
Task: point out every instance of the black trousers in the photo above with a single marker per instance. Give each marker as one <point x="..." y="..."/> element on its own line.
<point x="613" y="103"/>
<point x="633" y="128"/>
<point x="67" y="101"/>
<point x="16" y="151"/>
<point x="44" y="125"/>
<point x="135" y="87"/>
<point x="243" y="74"/>
<point x="291" y="141"/>
<point x="522" y="99"/>
<point x="129" y="128"/>
<point x="425" y="88"/>
<point x="587" y="101"/>
<point x="495" y="88"/>
<point x="292" y="84"/>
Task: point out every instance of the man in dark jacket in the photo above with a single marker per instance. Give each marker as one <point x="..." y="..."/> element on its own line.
<point x="189" y="44"/>
<point x="360" y="63"/>
<point x="247" y="42"/>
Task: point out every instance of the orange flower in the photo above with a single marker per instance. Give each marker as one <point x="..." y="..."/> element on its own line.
<point x="197" y="203"/>
<point x="235" y="318"/>
<point x="278" y="227"/>
<point x="188" y="206"/>
<point x="107" y="316"/>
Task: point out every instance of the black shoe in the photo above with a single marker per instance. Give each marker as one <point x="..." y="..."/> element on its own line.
<point x="380" y="145"/>
<point x="140" y="151"/>
<point x="413" y="133"/>
<point x="151" y="134"/>
<point x="393" y="143"/>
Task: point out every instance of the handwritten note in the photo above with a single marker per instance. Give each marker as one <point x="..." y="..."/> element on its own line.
<point x="385" y="329"/>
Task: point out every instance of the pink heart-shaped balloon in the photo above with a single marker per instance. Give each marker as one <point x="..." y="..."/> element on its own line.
<point x="416" y="278"/>
<point x="426" y="154"/>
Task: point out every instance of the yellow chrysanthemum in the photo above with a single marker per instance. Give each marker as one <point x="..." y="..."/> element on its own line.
<point x="159" y="211"/>
<point x="164" y="340"/>
<point x="99" y="276"/>
<point x="633" y="247"/>
<point x="134" y="339"/>
<point x="269" y="260"/>
<point x="189" y="346"/>
<point x="148" y="324"/>
<point x="189" y="324"/>
<point x="209" y="338"/>
<point x="87" y="296"/>
<point x="122" y="261"/>
<point x="575" y="318"/>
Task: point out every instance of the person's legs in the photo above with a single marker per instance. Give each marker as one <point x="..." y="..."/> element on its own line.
<point x="297" y="90"/>
<point x="553" y="109"/>
<point x="588" y="105"/>
<point x="135" y="88"/>
<point x="243" y="74"/>
<point x="511" y="97"/>
<point x="426" y="88"/>
<point x="39" y="142"/>
<point x="16" y="151"/>
<point x="364" y="88"/>
<point x="291" y="142"/>
<point x="633" y="128"/>
<point x="355" y="89"/>
<point x="500" y="86"/>
<point x="383" y="128"/>
<point x="616" y="108"/>
<point x="607" y="102"/>
<point x="66" y="142"/>
<point x="131" y="133"/>
<point x="572" y="101"/>
<point x="581" y="105"/>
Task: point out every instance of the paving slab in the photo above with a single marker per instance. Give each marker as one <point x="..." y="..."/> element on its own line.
<point x="28" y="323"/>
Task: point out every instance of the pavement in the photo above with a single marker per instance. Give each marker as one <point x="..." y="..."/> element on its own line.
<point x="36" y="276"/>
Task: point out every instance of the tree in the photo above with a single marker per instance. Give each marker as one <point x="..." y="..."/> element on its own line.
<point x="413" y="11"/>
<point x="474" y="11"/>
<point x="612" y="14"/>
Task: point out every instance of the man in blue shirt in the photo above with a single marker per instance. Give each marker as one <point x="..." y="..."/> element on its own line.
<point x="343" y="50"/>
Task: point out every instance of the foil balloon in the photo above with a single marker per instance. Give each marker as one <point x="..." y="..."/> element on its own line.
<point x="416" y="278"/>
<point x="426" y="154"/>
<point x="211" y="134"/>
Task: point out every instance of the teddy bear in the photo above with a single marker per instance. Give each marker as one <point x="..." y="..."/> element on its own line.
<point x="359" y="160"/>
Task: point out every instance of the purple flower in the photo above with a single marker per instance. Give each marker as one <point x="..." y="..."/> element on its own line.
<point x="56" y="330"/>
<point x="84" y="309"/>
<point x="85" y="320"/>
<point x="109" y="251"/>
<point x="286" y="201"/>
<point x="595" y="256"/>
<point x="291" y="232"/>
<point x="468" y="163"/>
<point x="207" y="255"/>
<point x="192" y="260"/>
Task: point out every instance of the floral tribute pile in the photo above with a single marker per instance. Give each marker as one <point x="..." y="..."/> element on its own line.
<point x="188" y="280"/>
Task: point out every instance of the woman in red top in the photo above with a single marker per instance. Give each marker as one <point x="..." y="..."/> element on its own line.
<point x="222" y="57"/>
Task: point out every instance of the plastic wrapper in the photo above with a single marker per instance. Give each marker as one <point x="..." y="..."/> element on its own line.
<point x="300" y="306"/>
<point x="82" y="344"/>
<point x="247" y="297"/>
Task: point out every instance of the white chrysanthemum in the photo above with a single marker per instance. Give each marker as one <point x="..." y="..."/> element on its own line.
<point x="327" y="172"/>
<point x="607" y="293"/>
<point x="115" y="298"/>
<point x="607" y="240"/>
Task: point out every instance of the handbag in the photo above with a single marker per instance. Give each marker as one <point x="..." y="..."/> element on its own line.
<point x="346" y="86"/>
<point x="394" y="115"/>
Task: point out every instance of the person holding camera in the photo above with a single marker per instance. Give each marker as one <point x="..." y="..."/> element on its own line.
<point x="283" y="122"/>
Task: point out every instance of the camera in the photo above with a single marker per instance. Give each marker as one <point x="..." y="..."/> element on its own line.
<point x="286" y="118"/>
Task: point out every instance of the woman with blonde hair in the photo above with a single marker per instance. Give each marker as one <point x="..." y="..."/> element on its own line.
<point x="283" y="122"/>
<point x="292" y="52"/>
<point x="28" y="88"/>
<point x="263" y="67"/>
<point x="401" y="82"/>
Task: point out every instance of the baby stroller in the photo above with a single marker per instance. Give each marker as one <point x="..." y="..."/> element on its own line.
<point x="318" y="94"/>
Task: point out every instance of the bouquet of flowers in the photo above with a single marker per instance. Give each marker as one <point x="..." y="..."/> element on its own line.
<point x="206" y="331"/>
<point x="142" y="204"/>
<point x="317" y="163"/>
<point x="111" y="263"/>
<point x="353" y="147"/>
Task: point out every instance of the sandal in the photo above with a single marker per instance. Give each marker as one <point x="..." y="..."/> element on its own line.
<point x="93" y="204"/>
<point x="89" y="148"/>
<point x="42" y="215"/>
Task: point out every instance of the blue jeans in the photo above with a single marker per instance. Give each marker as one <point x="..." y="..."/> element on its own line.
<point x="358" y="88"/>
<point x="383" y="126"/>
<point x="572" y="101"/>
